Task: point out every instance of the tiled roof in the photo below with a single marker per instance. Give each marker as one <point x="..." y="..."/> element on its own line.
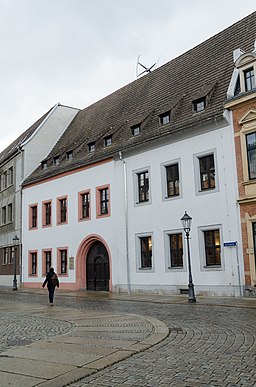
<point x="14" y="146"/>
<point x="202" y="71"/>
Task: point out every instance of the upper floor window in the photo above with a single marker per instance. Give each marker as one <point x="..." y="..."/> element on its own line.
<point x="62" y="210"/>
<point x="108" y="140"/>
<point x="69" y="155"/>
<point x="249" y="79"/>
<point x="164" y="118"/>
<point x="84" y="205"/>
<point x="143" y="186"/>
<point x="199" y="105"/>
<point x="212" y="247"/>
<point x="9" y="212"/>
<point x="91" y="147"/>
<point x="5" y="179"/>
<point x="172" y="180"/>
<point x="251" y="154"/>
<point x="103" y="201"/>
<point x="136" y="130"/>
<point x="47" y="213"/>
<point x="207" y="172"/>
<point x="10" y="175"/>
<point x="33" y="216"/>
<point x="4" y="215"/>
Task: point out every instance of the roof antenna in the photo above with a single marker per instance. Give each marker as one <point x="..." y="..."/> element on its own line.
<point x="146" y="69"/>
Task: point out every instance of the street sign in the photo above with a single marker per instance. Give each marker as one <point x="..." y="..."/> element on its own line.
<point x="230" y="244"/>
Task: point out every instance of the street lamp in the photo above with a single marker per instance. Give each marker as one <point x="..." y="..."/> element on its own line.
<point x="186" y="223"/>
<point x="16" y="241"/>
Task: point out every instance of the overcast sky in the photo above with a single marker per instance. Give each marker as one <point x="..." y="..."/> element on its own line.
<point x="77" y="51"/>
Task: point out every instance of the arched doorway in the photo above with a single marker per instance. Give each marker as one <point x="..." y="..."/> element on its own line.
<point x="97" y="268"/>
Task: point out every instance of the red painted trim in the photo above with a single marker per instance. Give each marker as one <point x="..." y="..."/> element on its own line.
<point x="81" y="256"/>
<point x="30" y="252"/>
<point x="59" y="249"/>
<point x="44" y="260"/>
<point x="98" y="206"/>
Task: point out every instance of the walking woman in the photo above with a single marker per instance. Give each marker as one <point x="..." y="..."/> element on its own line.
<point x="52" y="281"/>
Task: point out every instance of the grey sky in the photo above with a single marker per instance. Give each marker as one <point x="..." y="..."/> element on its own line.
<point x="77" y="51"/>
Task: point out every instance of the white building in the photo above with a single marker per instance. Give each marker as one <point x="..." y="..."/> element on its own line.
<point x="105" y="205"/>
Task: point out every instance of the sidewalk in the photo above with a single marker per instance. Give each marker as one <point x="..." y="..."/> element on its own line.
<point x="86" y="341"/>
<point x="56" y="346"/>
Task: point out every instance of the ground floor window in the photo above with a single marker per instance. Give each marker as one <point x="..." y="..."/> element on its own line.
<point x="176" y="250"/>
<point x="146" y="252"/>
<point x="212" y="247"/>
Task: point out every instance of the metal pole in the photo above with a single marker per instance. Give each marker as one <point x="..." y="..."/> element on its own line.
<point x="191" y="292"/>
<point x="14" y="286"/>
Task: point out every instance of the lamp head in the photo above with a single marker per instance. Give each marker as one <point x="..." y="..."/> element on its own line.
<point x="186" y="222"/>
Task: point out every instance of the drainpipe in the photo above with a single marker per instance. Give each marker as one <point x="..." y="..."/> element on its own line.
<point x="126" y="222"/>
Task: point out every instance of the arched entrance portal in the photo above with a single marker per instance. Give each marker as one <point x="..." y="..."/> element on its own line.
<point x="97" y="268"/>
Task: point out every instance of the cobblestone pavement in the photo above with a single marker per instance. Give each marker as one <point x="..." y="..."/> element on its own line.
<point x="208" y="345"/>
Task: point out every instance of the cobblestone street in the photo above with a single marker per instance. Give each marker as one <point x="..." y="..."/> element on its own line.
<point x="209" y="344"/>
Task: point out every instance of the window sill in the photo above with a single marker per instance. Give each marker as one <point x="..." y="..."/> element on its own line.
<point x="146" y="268"/>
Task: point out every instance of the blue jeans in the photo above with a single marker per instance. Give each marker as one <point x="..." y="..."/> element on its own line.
<point x="51" y="294"/>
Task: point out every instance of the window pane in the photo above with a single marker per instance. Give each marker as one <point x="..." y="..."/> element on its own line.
<point x="249" y="79"/>
<point x="143" y="186"/>
<point x="172" y="178"/>
<point x="207" y="172"/>
<point x="176" y="250"/>
<point x="146" y="252"/>
<point x="212" y="247"/>
<point x="104" y="199"/>
<point x="251" y="152"/>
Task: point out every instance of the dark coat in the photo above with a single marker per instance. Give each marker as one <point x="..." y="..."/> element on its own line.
<point x="49" y="282"/>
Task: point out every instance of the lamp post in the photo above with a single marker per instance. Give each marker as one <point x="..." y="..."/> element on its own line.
<point x="186" y="223"/>
<point x="16" y="241"/>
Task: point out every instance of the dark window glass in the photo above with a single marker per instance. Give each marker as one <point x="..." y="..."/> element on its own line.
<point x="5" y="256"/>
<point x="146" y="252"/>
<point x="48" y="213"/>
<point x="11" y="176"/>
<point x="63" y="210"/>
<point x="91" y="147"/>
<point x="3" y="215"/>
<point x="85" y="205"/>
<point x="251" y="154"/>
<point x="44" y="164"/>
<point x="164" y="118"/>
<point x="48" y="260"/>
<point x="176" y="250"/>
<point x="136" y="130"/>
<point x="34" y="263"/>
<point x="56" y="160"/>
<point x="212" y="247"/>
<point x="207" y="172"/>
<point x="69" y="155"/>
<point x="172" y="178"/>
<point x="108" y="140"/>
<point x="254" y="239"/>
<point x="104" y="200"/>
<point x="63" y="261"/>
<point x="10" y="212"/>
<point x="249" y="79"/>
<point x="143" y="186"/>
<point x="34" y="216"/>
<point x="199" y="104"/>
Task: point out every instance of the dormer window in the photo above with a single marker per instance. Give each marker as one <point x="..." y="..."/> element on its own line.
<point x="164" y="118"/>
<point x="91" y="147"/>
<point x="44" y="164"/>
<point x="199" y="105"/>
<point x="69" y="155"/>
<point x="56" y="160"/>
<point x="108" y="141"/>
<point x="249" y="80"/>
<point x="136" y="130"/>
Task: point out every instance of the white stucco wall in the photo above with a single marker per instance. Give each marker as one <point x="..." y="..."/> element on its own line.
<point x="212" y="208"/>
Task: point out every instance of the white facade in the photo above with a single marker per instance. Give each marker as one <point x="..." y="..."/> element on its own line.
<point x="128" y="220"/>
<point x="24" y="161"/>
